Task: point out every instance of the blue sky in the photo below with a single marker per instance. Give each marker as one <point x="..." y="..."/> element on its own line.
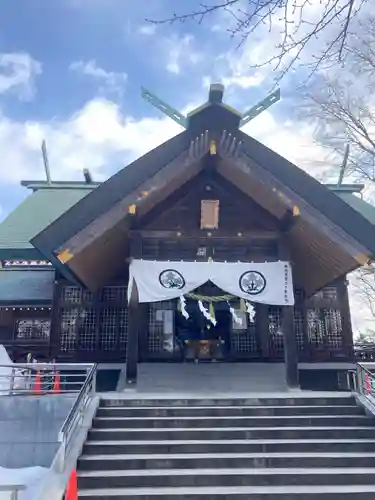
<point x="71" y="72"/>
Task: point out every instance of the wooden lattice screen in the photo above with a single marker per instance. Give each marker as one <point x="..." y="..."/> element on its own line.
<point x="91" y="323"/>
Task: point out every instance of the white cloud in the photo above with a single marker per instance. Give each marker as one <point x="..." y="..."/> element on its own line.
<point x="109" y="81"/>
<point x="18" y="71"/>
<point x="97" y="137"/>
<point x="181" y="52"/>
<point x="147" y="29"/>
<point x="293" y="141"/>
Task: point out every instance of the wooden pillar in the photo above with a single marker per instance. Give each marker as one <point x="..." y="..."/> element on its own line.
<point x="263" y="333"/>
<point x="290" y="340"/>
<point x="134" y="310"/>
<point x="133" y="335"/>
<point x="347" y="332"/>
<point x="290" y="347"/>
<point x="55" y="333"/>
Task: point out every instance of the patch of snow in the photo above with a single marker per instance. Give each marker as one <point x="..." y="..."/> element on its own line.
<point x="31" y="477"/>
<point x="7" y="373"/>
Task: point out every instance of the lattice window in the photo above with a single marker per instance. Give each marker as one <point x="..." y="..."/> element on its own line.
<point x="71" y="294"/>
<point x="33" y="329"/>
<point x="114" y="294"/>
<point x="244" y="340"/>
<point x="87" y="330"/>
<point x="315" y="327"/>
<point x="161" y="331"/>
<point x="75" y="295"/>
<point x="68" y="329"/>
<point x="275" y="330"/>
<point x="78" y="325"/>
<point x="123" y="328"/>
<point x="330" y="292"/>
<point x="298" y="329"/>
<point x="201" y="252"/>
<point x="333" y="326"/>
<point x="108" y="329"/>
<point x="87" y="296"/>
<point x="180" y="248"/>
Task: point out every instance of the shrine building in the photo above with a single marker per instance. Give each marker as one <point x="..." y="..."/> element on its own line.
<point x="209" y="248"/>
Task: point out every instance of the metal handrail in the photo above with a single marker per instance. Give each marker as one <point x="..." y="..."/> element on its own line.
<point x="76" y="415"/>
<point x="39" y="378"/>
<point x="364" y="384"/>
<point x="13" y="489"/>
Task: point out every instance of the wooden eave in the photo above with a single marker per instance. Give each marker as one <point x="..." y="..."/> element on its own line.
<point x="108" y="194"/>
<point x="317" y="196"/>
<point x="103" y="244"/>
<point x="320" y="250"/>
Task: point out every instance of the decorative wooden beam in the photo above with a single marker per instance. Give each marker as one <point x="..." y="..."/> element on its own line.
<point x="165" y="108"/>
<point x="64" y="256"/>
<point x="289" y="219"/>
<point x="131" y="369"/>
<point x="258" y="234"/>
<point x="260" y="107"/>
<point x="180" y="168"/>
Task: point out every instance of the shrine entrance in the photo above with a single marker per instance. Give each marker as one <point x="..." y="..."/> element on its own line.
<point x="214" y="312"/>
<point x="200" y="340"/>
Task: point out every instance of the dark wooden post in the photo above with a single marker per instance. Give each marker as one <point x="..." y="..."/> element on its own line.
<point x="134" y="310"/>
<point x="55" y="333"/>
<point x="347" y="332"/>
<point x="131" y="370"/>
<point x="263" y="333"/>
<point x="290" y="340"/>
<point x="290" y="347"/>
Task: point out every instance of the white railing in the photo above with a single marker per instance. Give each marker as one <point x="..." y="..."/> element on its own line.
<point x="49" y="380"/>
<point x="42" y="378"/>
<point x="12" y="489"/>
<point x="362" y="382"/>
<point x="76" y="415"/>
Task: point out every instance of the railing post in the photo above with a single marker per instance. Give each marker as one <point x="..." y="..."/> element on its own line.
<point x="14" y="494"/>
<point x="12" y="381"/>
<point x="93" y="384"/>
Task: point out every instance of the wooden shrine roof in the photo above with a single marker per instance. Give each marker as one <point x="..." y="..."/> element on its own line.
<point x="91" y="231"/>
<point x="46" y="204"/>
<point x="26" y="286"/>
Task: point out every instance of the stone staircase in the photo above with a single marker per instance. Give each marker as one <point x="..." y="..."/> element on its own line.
<point x="284" y="448"/>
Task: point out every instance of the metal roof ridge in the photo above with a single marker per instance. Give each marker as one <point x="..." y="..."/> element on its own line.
<point x="36" y="185"/>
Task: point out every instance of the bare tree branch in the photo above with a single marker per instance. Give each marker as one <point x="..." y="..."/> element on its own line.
<point x="364" y="285"/>
<point x="342" y="104"/>
<point x="296" y="23"/>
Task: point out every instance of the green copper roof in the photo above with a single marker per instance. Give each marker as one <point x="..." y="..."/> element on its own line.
<point x="26" y="286"/>
<point x="361" y="206"/>
<point x="35" y="213"/>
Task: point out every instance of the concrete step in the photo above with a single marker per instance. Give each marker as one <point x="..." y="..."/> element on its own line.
<point x="280" y="448"/>
<point x="366" y="492"/>
<point x="229" y="446"/>
<point x="299" y="432"/>
<point x="224" y="461"/>
<point x="199" y="402"/>
<point x="225" y="411"/>
<point x="156" y="478"/>
<point x="239" y="421"/>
